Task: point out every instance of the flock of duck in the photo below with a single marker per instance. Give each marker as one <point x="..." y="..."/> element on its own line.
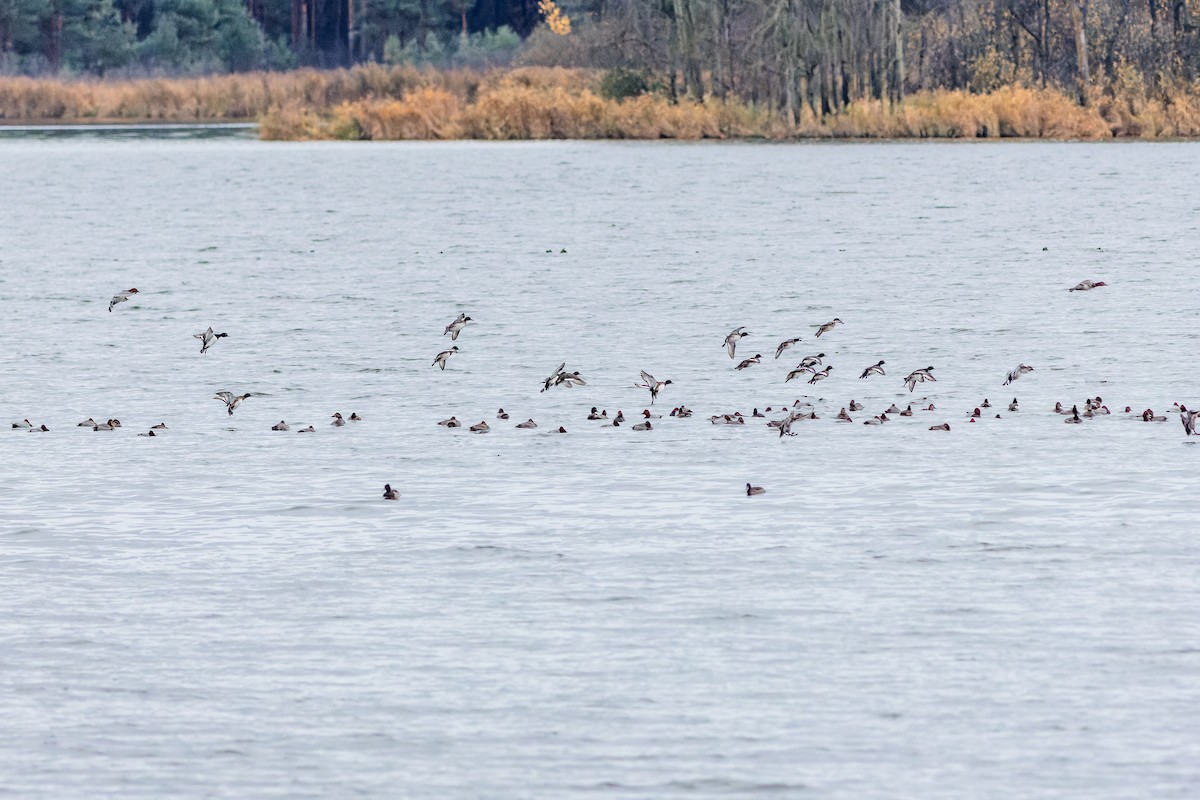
<point x="811" y="366"/>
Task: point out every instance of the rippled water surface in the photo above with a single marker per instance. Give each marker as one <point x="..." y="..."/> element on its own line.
<point x="1006" y="610"/>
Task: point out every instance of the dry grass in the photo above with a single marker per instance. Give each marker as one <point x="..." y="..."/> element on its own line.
<point x="376" y="102"/>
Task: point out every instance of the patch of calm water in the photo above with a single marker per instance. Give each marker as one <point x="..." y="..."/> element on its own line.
<point x="1009" y="609"/>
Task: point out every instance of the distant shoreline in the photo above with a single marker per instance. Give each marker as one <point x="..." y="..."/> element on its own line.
<point x="374" y="102"/>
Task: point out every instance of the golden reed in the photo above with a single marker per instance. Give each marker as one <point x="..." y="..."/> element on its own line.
<point x="377" y="102"/>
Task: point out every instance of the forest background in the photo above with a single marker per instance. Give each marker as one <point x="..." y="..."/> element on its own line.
<point x="398" y="69"/>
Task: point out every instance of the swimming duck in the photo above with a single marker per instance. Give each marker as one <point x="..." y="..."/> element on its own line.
<point x="162" y="426"/>
<point x="647" y="415"/>
<point x="502" y="414"/>
<point x="1188" y="418"/>
<point x="103" y="426"/>
<point x="450" y="423"/>
<point x="23" y="425"/>
<point x="843" y="416"/>
<point x="121" y="297"/>
<point x="654" y="386"/>
<point x="919" y="376"/>
<point x="482" y="427"/>
<point x="455" y="328"/>
<point x="945" y="426"/>
<point x="1148" y="416"/>
<point x="877" y="369"/>
<point x="309" y="429"/>
<point x="561" y="429"/>
<point x="1074" y="416"/>
<point x="753" y="490"/>
<point x="354" y="417"/>
<point x="820" y="376"/>
<point x="148" y="433"/>
<point x="882" y="418"/>
<point x="1084" y="286"/>
<point x="644" y="426"/>
<point x="1058" y="409"/>
<point x="784" y="345"/>
<point x="893" y="410"/>
<point x="440" y="359"/>
<point x="526" y="425"/>
<point x="855" y="405"/>
<point x="976" y="414"/>
<point x="337" y="420"/>
<point x="810" y="361"/>
<point x="230" y="400"/>
<point x="908" y="412"/>
<point x="39" y="429"/>
<point x="757" y="359"/>
<point x="828" y="326"/>
<point x="620" y="417"/>
<point x="1013" y="405"/>
<point x="87" y="423"/>
<point x="116" y="423"/>
<point x="1021" y="369"/>
<point x="281" y="426"/>
<point x="389" y="493"/>
<point x="735" y="336"/>
<point x="594" y="415"/>
<point x="683" y="412"/>
<point x="986" y="404"/>
<point x="758" y="414"/>
<point x="208" y="339"/>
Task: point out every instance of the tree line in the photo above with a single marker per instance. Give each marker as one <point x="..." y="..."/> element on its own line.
<point x="799" y="56"/>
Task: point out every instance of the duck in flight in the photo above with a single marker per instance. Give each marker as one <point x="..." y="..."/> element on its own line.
<point x="1022" y="369"/>
<point x="828" y="326"/>
<point x="208" y="339"/>
<point x="440" y="360"/>
<point x="121" y="297"/>
<point x="648" y="382"/>
<point x="230" y="400"/>
<point x="750" y="361"/>
<point x="919" y="376"/>
<point x="784" y="345"/>
<point x="1084" y="286"/>
<point x="876" y="369"/>
<point x="455" y="328"/>
<point x="735" y="336"/>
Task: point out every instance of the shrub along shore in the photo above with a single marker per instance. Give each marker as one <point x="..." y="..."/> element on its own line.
<point x="391" y="103"/>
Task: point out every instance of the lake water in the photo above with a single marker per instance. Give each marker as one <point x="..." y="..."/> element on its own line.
<point x="1006" y="610"/>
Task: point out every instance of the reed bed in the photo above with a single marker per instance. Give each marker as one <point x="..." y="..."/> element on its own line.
<point x="390" y="103"/>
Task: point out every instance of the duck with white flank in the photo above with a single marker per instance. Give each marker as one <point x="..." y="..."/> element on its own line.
<point x="750" y="361"/>
<point x="808" y="362"/>
<point x="502" y="414"/>
<point x="735" y="336"/>
<point x="337" y="420"/>
<point x="1084" y="286"/>
<point x="648" y="382"/>
<point x="1022" y="369"/>
<point x="877" y="369"/>
<point x="455" y="328"/>
<point x="87" y="423"/>
<point x="389" y="493"/>
<point x="784" y="345"/>
<point x="753" y="490"/>
<point x="919" y="376"/>
<point x="208" y="339"/>
<point x="230" y="400"/>
<point x="23" y="425"/>
<point x="820" y="376"/>
<point x="450" y="423"/>
<point x="121" y="297"/>
<point x="828" y="326"/>
<point x="440" y="360"/>
<point x="1188" y="418"/>
<point x="1013" y="406"/>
